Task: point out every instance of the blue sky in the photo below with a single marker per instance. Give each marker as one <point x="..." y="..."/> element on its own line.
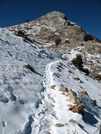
<point x="86" y="13"/>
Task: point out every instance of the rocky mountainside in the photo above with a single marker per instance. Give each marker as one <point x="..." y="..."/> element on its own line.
<point x="52" y="25"/>
<point x="47" y="92"/>
<point x="41" y="93"/>
<point x="57" y="33"/>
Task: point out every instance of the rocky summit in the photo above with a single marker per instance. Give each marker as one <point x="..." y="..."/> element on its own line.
<point x="52" y="25"/>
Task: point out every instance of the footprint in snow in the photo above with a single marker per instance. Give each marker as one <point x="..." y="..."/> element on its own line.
<point x="21" y="102"/>
<point x="12" y="97"/>
<point x="4" y="124"/>
<point x="3" y="99"/>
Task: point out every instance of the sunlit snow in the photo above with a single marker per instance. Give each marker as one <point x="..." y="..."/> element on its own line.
<point x="28" y="104"/>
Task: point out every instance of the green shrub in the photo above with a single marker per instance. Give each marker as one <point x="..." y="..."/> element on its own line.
<point x="78" y="62"/>
<point x="86" y="71"/>
<point x="57" y="41"/>
<point x="21" y="33"/>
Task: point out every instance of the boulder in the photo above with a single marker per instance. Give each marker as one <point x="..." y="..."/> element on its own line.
<point x="75" y="78"/>
<point x="84" y="92"/>
<point x="73" y="97"/>
<point x="59" y="125"/>
<point x="69" y="71"/>
<point x="63" y="89"/>
<point x="29" y="67"/>
<point x="53" y="86"/>
<point x="78" y="108"/>
<point x="73" y="121"/>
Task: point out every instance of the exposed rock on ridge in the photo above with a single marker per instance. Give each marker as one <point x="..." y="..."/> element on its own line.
<point x="50" y="26"/>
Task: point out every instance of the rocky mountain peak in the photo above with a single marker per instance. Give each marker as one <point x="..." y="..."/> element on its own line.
<point x="51" y="26"/>
<point x="55" y="32"/>
<point x="54" y="15"/>
<point x="40" y="90"/>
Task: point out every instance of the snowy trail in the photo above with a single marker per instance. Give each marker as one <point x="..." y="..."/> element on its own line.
<point x="41" y="121"/>
<point x="29" y="104"/>
<point x="47" y="82"/>
<point x="57" y="116"/>
<point x="62" y="115"/>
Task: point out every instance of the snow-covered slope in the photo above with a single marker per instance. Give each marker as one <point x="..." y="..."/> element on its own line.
<point x="28" y="103"/>
<point x="63" y="76"/>
<point x="21" y="91"/>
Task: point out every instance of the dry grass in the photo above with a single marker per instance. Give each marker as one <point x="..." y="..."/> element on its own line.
<point x="96" y="76"/>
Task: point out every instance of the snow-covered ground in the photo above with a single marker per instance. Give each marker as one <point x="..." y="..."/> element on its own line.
<point x="28" y="104"/>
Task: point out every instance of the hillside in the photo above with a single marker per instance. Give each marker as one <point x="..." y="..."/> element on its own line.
<point x="41" y="91"/>
<point x="55" y="26"/>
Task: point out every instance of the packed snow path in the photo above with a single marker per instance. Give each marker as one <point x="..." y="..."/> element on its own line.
<point x="60" y="114"/>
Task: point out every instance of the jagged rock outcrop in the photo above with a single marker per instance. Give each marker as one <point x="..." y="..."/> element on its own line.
<point x="73" y="97"/>
<point x="79" y="108"/>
